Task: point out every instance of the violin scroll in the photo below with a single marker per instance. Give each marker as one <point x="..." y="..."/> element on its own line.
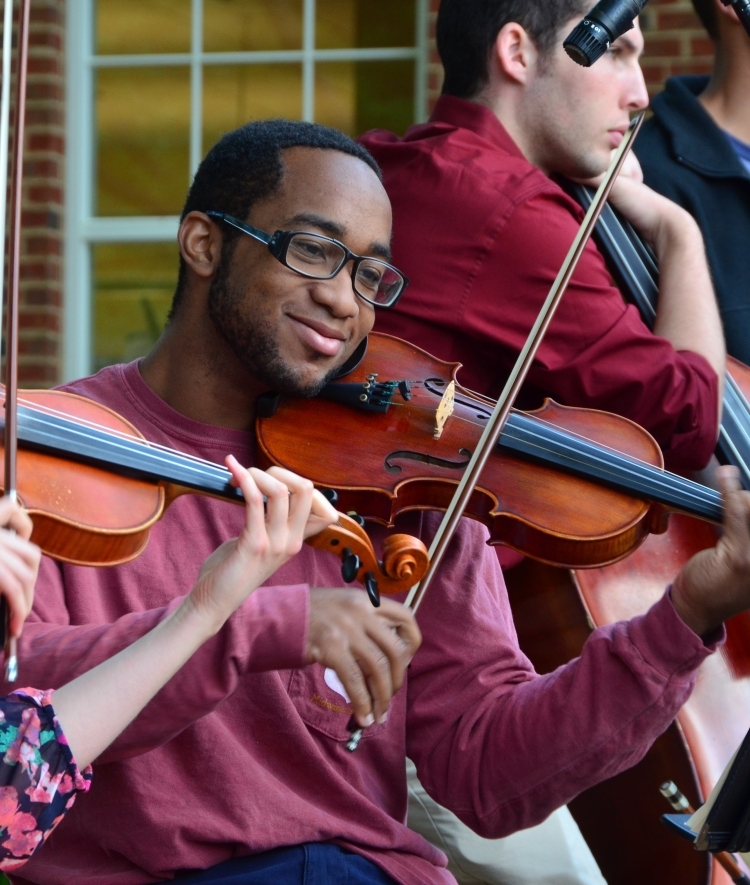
<point x="405" y="558"/>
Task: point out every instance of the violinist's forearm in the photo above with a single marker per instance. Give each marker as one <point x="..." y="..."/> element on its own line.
<point x="97" y="706"/>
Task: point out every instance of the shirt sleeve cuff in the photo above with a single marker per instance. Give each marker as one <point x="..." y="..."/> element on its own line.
<point x="275" y="621"/>
<point x="666" y="642"/>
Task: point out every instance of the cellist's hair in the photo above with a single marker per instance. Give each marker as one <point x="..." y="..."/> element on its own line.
<point x="246" y="166"/>
<point x="467" y="30"/>
<point x="706" y="12"/>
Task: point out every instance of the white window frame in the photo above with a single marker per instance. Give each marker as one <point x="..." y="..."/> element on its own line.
<point x="83" y="230"/>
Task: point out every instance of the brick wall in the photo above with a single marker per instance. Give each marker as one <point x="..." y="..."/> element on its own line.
<point x="675" y="44"/>
<point x="41" y="240"/>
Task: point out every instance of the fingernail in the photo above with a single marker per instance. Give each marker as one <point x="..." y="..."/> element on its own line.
<point x="369" y="720"/>
<point x="384" y="718"/>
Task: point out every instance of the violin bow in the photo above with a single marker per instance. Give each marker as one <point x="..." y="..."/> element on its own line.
<point x="502" y="409"/>
<point x="14" y="273"/>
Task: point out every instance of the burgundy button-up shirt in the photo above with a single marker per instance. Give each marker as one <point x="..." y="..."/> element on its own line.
<point x="482" y="234"/>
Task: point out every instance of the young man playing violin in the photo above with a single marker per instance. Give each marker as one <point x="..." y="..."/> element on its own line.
<point x="238" y="770"/>
<point x="481" y="227"/>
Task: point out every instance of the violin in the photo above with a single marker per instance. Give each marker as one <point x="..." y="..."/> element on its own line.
<point x="573" y="487"/>
<point x="94" y="487"/>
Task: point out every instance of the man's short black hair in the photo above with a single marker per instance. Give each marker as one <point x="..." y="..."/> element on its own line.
<point x="706" y="12"/>
<point x="467" y="30"/>
<point x="246" y="165"/>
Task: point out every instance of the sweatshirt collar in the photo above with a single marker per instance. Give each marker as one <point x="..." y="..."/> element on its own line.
<point x="463" y="114"/>
<point x="697" y="142"/>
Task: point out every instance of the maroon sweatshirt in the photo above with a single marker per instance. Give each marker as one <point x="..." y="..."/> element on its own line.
<point x="228" y="760"/>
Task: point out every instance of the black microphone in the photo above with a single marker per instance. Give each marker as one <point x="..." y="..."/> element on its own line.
<point x="607" y="21"/>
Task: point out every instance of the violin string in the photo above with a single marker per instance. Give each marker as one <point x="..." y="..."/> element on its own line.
<point x="121" y="434"/>
<point x="629" y="466"/>
<point x="661" y="478"/>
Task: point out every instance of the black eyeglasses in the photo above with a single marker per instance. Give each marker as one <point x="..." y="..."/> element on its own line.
<point x="321" y="258"/>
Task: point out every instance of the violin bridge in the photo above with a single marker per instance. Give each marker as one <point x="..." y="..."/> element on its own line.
<point x="445" y="409"/>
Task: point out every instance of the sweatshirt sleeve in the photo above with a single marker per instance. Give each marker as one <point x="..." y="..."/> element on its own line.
<point x="501" y="746"/>
<point x="267" y="632"/>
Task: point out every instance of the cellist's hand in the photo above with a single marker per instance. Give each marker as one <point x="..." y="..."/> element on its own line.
<point x="19" y="562"/>
<point x="715" y="584"/>
<point x="272" y="534"/>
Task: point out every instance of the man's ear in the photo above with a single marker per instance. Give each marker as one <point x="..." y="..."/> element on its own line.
<point x="514" y="55"/>
<point x="200" y="243"/>
<point x="728" y="11"/>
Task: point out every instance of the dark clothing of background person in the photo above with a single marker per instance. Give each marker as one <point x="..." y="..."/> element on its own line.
<point x="689" y="159"/>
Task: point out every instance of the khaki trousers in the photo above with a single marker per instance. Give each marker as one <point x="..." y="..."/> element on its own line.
<point x="552" y="853"/>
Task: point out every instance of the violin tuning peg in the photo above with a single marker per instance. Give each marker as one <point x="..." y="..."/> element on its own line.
<point x="360" y="520"/>
<point x="371" y="585"/>
<point x="350" y="565"/>
<point x="331" y="495"/>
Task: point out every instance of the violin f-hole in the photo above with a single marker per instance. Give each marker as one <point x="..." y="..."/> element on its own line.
<point x="423" y="458"/>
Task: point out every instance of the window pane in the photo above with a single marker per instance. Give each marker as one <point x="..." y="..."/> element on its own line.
<point x="362" y="23"/>
<point x="136" y="26"/>
<point x="133" y="288"/>
<point x="242" y="26"/>
<point x="142" y="119"/>
<point x="357" y="96"/>
<point x="235" y="94"/>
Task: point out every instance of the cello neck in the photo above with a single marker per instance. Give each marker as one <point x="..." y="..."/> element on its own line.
<point x="636" y="271"/>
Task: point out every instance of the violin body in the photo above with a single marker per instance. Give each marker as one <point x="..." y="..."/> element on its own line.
<point x="89" y="514"/>
<point x="382" y="465"/>
<point x="85" y="514"/>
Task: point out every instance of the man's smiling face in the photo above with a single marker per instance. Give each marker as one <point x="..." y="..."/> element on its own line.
<point x="288" y="331"/>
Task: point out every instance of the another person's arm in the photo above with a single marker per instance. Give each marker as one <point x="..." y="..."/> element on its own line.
<point x="39" y="772"/>
<point x="96" y="707"/>
<point x="687" y="314"/>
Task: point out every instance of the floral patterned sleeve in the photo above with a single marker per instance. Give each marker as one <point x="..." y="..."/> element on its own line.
<point x="39" y="778"/>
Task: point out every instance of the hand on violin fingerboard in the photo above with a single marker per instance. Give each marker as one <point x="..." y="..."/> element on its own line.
<point x="19" y="562"/>
<point x="274" y="531"/>
<point x="369" y="648"/>
<point x="715" y="584"/>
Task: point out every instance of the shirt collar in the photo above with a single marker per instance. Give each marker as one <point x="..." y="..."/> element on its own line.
<point x="475" y="117"/>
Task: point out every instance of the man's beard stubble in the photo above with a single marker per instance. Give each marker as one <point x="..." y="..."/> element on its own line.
<point x="254" y="342"/>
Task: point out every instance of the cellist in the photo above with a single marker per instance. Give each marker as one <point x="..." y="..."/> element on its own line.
<point x="481" y="227"/>
<point x="231" y="774"/>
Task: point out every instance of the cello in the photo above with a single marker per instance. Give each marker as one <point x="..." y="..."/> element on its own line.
<point x="712" y="723"/>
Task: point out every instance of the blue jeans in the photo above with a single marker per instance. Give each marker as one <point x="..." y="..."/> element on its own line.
<point x="317" y="863"/>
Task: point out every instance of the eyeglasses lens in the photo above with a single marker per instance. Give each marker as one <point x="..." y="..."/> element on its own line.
<point x="378" y="282"/>
<point x="320" y="257"/>
<point x="313" y="255"/>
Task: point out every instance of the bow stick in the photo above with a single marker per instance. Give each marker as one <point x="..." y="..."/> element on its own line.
<point x="14" y="271"/>
<point x="516" y="378"/>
